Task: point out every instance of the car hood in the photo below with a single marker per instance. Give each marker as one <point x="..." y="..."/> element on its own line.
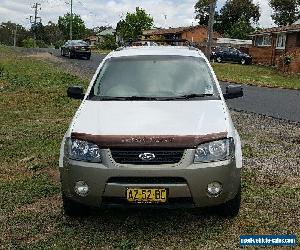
<point x="151" y="118"/>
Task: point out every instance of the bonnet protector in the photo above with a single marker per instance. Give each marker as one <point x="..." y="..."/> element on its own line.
<point x="149" y="141"/>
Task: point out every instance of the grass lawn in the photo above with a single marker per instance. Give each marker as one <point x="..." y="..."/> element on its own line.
<point x="101" y="51"/>
<point x="255" y="75"/>
<point x="34" y="115"/>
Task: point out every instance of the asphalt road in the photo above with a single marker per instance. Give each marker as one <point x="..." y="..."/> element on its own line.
<point x="274" y="102"/>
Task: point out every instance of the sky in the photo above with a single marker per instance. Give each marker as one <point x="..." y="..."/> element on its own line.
<point x="109" y="12"/>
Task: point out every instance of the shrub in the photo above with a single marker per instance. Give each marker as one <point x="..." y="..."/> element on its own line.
<point x="109" y="43"/>
<point x="28" y="43"/>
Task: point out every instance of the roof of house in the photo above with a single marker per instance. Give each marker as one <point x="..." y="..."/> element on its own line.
<point x="92" y="38"/>
<point x="288" y="28"/>
<point x="178" y="30"/>
<point x="106" y="32"/>
<point x="233" y="41"/>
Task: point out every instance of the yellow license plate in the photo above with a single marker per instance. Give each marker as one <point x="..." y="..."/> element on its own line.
<point x="147" y="195"/>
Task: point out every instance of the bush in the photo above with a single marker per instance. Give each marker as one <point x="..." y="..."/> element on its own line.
<point x="41" y="44"/>
<point x="28" y="43"/>
<point x="58" y="44"/>
<point x="109" y="43"/>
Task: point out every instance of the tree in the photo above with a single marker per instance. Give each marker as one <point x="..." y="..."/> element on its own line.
<point x="202" y="10"/>
<point x="240" y="30"/>
<point x="234" y="18"/>
<point x="235" y="11"/>
<point x="7" y="31"/>
<point x="53" y="35"/>
<point x="285" y="11"/>
<point x="133" y="25"/>
<point x="77" y="23"/>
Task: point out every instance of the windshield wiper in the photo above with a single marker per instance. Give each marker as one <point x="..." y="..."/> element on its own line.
<point x="150" y="98"/>
<point x="190" y="96"/>
<point x="127" y="98"/>
<point x="110" y="98"/>
<point x="147" y="98"/>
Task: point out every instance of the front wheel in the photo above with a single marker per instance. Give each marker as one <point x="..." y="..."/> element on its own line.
<point x="74" y="209"/>
<point x="219" y="59"/>
<point x="62" y="53"/>
<point x="88" y="57"/>
<point x="71" y="54"/>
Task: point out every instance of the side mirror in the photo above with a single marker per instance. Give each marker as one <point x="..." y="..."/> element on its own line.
<point x="233" y="91"/>
<point x="75" y="92"/>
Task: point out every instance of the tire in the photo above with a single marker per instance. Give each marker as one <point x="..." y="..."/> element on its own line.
<point x="219" y="59"/>
<point x="71" y="54"/>
<point x="62" y="53"/>
<point x="88" y="57"/>
<point x="232" y="207"/>
<point x="74" y="209"/>
<point x="243" y="61"/>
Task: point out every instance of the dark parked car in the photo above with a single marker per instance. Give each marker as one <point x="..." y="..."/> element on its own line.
<point x="76" y="48"/>
<point x="230" y="54"/>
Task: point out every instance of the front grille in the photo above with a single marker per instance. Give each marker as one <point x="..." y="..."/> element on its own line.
<point x="125" y="156"/>
<point x="147" y="180"/>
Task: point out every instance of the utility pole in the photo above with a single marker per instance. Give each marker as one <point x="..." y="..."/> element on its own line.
<point x="212" y="11"/>
<point x="166" y="21"/>
<point x="71" y="21"/>
<point x="34" y="20"/>
<point x="15" y="35"/>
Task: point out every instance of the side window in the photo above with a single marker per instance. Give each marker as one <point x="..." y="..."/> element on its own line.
<point x="263" y="40"/>
<point x="281" y="39"/>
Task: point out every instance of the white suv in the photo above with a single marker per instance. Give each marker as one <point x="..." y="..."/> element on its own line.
<point x="153" y="130"/>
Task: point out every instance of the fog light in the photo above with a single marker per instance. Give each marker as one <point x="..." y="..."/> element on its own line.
<point x="81" y="188"/>
<point x="214" y="188"/>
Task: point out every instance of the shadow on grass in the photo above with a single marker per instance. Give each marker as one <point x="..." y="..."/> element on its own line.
<point x="130" y="228"/>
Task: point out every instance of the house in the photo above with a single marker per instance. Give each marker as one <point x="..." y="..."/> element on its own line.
<point x="237" y="43"/>
<point x="242" y="45"/>
<point x="108" y="32"/>
<point x="175" y="36"/>
<point x="272" y="45"/>
<point x="92" y="40"/>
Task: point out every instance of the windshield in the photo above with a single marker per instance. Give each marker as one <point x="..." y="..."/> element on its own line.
<point x="154" y="76"/>
<point x="79" y="42"/>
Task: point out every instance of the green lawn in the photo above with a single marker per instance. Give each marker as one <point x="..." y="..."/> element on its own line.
<point x="101" y="51"/>
<point x="34" y="114"/>
<point x="255" y="75"/>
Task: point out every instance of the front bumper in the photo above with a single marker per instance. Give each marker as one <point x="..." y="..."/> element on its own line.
<point x="187" y="183"/>
<point x="82" y="52"/>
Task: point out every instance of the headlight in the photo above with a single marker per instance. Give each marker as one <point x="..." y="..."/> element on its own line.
<point x="214" y="151"/>
<point x="82" y="151"/>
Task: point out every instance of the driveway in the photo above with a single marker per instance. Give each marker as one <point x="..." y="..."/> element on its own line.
<point x="274" y="102"/>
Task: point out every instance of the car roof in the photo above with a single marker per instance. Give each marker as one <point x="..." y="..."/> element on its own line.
<point x="157" y="50"/>
<point x="75" y="41"/>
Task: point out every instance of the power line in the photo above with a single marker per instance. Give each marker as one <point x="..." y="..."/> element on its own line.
<point x="34" y="20"/>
